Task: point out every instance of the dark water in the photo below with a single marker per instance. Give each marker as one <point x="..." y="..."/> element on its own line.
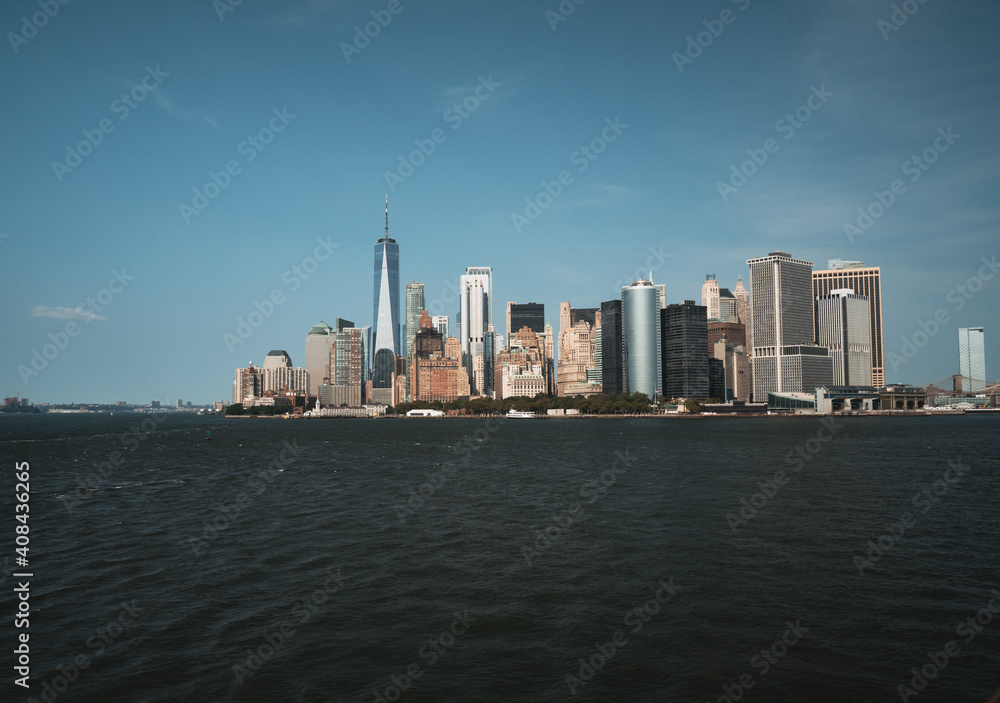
<point x="355" y="582"/>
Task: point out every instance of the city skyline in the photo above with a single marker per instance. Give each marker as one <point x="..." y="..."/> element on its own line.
<point x="180" y="254"/>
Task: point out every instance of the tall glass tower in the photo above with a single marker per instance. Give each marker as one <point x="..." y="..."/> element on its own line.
<point x="414" y="310"/>
<point x="643" y="372"/>
<point x="972" y="358"/>
<point x="387" y="336"/>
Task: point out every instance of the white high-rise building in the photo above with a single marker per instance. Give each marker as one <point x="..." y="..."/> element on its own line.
<point x="843" y="325"/>
<point x="972" y="358"/>
<point x="785" y="356"/>
<point x="440" y="323"/>
<point x="641" y="325"/>
<point x="476" y="313"/>
<point x="710" y="296"/>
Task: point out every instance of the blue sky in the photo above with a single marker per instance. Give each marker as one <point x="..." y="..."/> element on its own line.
<point x="211" y="84"/>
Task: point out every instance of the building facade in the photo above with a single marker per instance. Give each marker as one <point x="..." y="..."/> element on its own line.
<point x="684" y="347"/>
<point x="866" y="281"/>
<point x="844" y="328"/>
<point x="972" y="358"/>
<point x="530" y="315"/>
<point x="782" y="328"/>
<point x="387" y="343"/>
<point x="612" y="354"/>
<point x="318" y="343"/>
<point x="414" y="309"/>
<point x="578" y="331"/>
<point x="642" y="339"/>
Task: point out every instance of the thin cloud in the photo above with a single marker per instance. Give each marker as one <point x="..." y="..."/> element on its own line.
<point x="65" y="313"/>
<point x="174" y="110"/>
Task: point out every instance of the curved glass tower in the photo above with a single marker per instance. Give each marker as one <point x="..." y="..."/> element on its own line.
<point x="641" y="338"/>
<point x="386" y="346"/>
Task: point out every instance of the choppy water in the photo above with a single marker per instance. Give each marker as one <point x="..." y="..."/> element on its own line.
<point x="530" y="551"/>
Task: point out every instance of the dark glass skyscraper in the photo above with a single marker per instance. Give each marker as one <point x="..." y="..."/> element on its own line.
<point x="387" y="337"/>
<point x="530" y="315"/>
<point x="612" y="378"/>
<point x="685" y="351"/>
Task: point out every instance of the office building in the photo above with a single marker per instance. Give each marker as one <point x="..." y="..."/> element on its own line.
<point x="612" y="354"/>
<point x="641" y="338"/>
<point x="522" y="368"/>
<point x="414" y="309"/>
<point x="318" y="343"/>
<point x="279" y="378"/>
<point x="684" y="348"/>
<point x="844" y="328"/>
<point x="863" y="280"/>
<point x="710" y="296"/>
<point x="530" y="315"/>
<point x="736" y="369"/>
<point x="785" y="357"/>
<point x="248" y="385"/>
<point x="440" y="323"/>
<point x="436" y="368"/>
<point x="387" y="342"/>
<point x="578" y="331"/>
<point x="347" y="378"/>
<point x="972" y="358"/>
<point x="475" y="314"/>
<point x="734" y="332"/>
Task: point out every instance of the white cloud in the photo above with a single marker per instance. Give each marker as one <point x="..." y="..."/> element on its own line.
<point x="65" y="313"/>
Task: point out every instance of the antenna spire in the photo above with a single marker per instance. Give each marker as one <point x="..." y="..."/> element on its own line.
<point x="387" y="216"/>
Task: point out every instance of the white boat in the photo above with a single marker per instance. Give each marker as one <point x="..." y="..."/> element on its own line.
<point x="520" y="414"/>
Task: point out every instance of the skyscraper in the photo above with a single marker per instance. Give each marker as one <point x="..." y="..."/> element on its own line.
<point x="612" y="378"/>
<point x="710" y="297"/>
<point x="742" y="296"/>
<point x="476" y="313"/>
<point x="866" y="281"/>
<point x="440" y="323"/>
<point x="530" y="315"/>
<point x="972" y="358"/>
<point x="347" y="361"/>
<point x="414" y="309"/>
<point x="684" y="349"/>
<point x="318" y="343"/>
<point x="578" y="330"/>
<point x="785" y="357"/>
<point x="844" y="329"/>
<point x="386" y="345"/>
<point x="641" y="338"/>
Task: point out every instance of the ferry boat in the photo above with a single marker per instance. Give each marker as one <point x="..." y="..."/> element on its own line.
<point x="520" y="414"/>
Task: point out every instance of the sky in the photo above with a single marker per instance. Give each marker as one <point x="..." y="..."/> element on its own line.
<point x="186" y="164"/>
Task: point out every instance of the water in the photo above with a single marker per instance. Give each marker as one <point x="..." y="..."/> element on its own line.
<point x="205" y="549"/>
